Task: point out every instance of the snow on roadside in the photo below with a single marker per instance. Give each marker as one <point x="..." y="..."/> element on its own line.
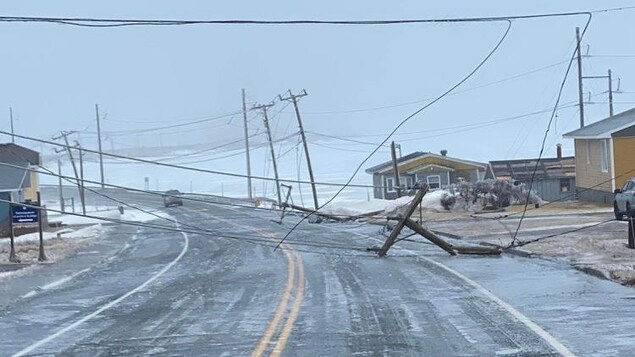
<point x="355" y="208"/>
<point x="431" y="201"/>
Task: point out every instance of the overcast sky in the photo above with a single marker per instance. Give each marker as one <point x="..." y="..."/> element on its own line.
<point x="147" y="76"/>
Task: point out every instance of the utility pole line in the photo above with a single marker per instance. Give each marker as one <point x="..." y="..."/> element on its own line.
<point x="610" y="79"/>
<point x="12" y="132"/>
<point x="264" y="108"/>
<point x="395" y="168"/>
<point x="67" y="147"/>
<point x="249" y="194"/>
<point x="101" y="158"/>
<point x="59" y="175"/>
<point x="294" y="99"/>
<point x="82" y="193"/>
<point x="580" y="95"/>
<point x="610" y="94"/>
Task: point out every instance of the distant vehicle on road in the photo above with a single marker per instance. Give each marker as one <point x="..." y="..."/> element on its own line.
<point x="624" y="203"/>
<point x="172" y="198"/>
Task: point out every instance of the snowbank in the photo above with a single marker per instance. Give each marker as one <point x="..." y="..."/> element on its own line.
<point x="356" y="208"/>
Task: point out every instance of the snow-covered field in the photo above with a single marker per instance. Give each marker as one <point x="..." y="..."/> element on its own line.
<point x="330" y="165"/>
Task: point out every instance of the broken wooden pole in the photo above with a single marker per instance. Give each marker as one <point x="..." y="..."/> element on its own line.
<point x="402" y="222"/>
<point x="429" y="235"/>
<point x="395" y="167"/>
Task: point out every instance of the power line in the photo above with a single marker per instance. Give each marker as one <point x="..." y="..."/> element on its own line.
<point x="468" y="76"/>
<point x="544" y="139"/>
<point x="231" y="174"/>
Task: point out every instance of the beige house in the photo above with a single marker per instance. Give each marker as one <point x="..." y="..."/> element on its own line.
<point x="604" y="156"/>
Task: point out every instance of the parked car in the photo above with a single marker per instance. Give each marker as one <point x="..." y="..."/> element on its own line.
<point x="172" y="198"/>
<point x="624" y="203"/>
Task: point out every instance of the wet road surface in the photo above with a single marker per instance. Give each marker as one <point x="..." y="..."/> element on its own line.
<point x="218" y="288"/>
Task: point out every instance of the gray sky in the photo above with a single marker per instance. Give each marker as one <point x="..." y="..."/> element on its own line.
<point x="151" y="76"/>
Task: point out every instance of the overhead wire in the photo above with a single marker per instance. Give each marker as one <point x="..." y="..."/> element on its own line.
<point x="544" y="139"/>
<point x="401" y="123"/>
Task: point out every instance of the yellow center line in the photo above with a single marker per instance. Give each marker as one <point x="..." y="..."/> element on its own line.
<point x="295" y="310"/>
<point x="292" y="257"/>
<point x="282" y="307"/>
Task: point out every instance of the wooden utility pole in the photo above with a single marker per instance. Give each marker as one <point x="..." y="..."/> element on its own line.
<point x="12" y="132"/>
<point x="59" y="176"/>
<point x="264" y="108"/>
<point x="395" y="168"/>
<point x="610" y="94"/>
<point x="101" y="158"/>
<point x="67" y="147"/>
<point x="395" y="231"/>
<point x="294" y="99"/>
<point x="580" y="95"/>
<point x="249" y="194"/>
<point x="82" y="193"/>
<point x="610" y="79"/>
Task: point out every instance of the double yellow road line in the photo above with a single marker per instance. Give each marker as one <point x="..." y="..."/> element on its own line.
<point x="281" y="325"/>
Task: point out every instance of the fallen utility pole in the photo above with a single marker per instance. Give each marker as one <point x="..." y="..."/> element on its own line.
<point x="406" y="221"/>
<point x="264" y="108"/>
<point x="395" y="168"/>
<point x="294" y="99"/>
<point x="249" y="194"/>
<point x="402" y="222"/>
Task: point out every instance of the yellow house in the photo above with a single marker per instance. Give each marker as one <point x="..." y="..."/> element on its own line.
<point x="604" y="156"/>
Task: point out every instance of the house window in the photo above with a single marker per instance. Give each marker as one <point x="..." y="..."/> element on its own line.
<point x="588" y="151"/>
<point x="604" y="155"/>
<point x="406" y="182"/>
<point x="434" y="181"/>
<point x="565" y="185"/>
<point x="390" y="184"/>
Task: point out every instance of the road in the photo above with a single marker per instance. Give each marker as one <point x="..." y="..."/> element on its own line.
<point x="216" y="287"/>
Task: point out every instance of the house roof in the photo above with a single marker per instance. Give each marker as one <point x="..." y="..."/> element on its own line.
<point x="604" y="128"/>
<point x="12" y="178"/>
<point x="523" y="169"/>
<point x="13" y="153"/>
<point x="386" y="166"/>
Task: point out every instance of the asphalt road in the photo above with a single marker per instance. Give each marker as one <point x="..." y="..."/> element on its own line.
<point x="218" y="288"/>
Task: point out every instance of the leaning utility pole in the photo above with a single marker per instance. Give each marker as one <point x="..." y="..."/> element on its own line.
<point x="67" y="147"/>
<point x="12" y="132"/>
<point x="59" y="176"/>
<point x="249" y="195"/>
<point x="82" y="193"/>
<point x="294" y="99"/>
<point x="580" y="95"/>
<point x="264" y="108"/>
<point x="101" y="158"/>
<point x="395" y="168"/>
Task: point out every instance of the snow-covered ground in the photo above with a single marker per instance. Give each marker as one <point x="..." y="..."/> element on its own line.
<point x="81" y="231"/>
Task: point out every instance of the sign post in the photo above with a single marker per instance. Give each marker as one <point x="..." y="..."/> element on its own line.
<point x="12" y="257"/>
<point x="42" y="256"/>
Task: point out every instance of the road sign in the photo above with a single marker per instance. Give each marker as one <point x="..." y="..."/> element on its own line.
<point x="24" y="214"/>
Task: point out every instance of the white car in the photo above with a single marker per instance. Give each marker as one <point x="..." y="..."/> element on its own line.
<point x="624" y="203"/>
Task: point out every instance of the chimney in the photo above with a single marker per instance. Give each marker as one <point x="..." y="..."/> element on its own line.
<point x="559" y="151"/>
<point x="444" y="152"/>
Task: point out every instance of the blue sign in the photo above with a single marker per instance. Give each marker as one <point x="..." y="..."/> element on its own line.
<point x="24" y="214"/>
